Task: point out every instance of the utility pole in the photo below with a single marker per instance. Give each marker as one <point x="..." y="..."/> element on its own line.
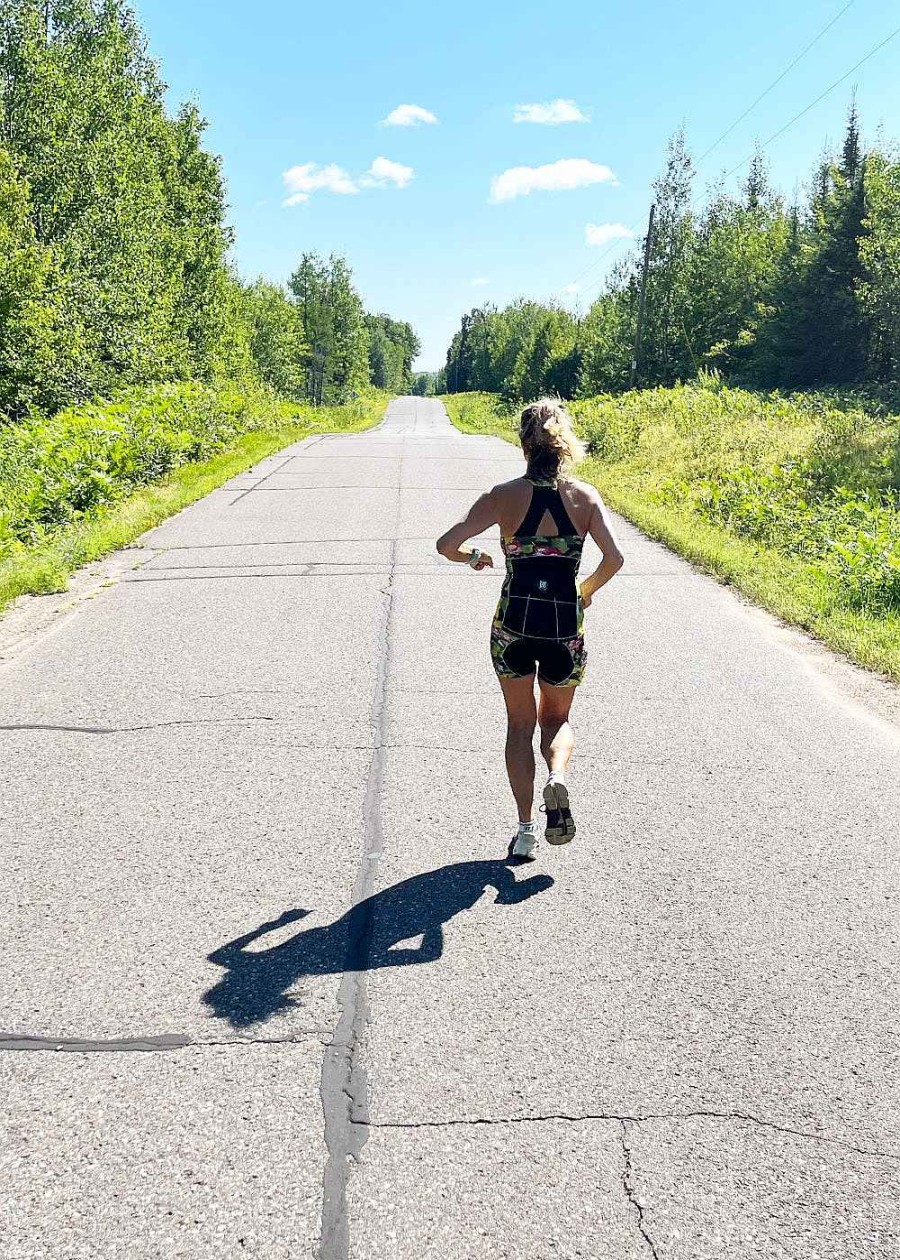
<point x="640" y="319"/>
<point x="483" y="318"/>
<point x="460" y="352"/>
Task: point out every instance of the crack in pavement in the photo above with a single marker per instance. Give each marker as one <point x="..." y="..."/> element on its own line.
<point x="146" y="1045"/>
<point x="164" y="1041"/>
<point x="318" y="486"/>
<point x="243" y="577"/>
<point x="128" y="730"/>
<point x="292" y="542"/>
<point x="253" y="691"/>
<point x="313" y="485"/>
<point x="344" y="1084"/>
<point x="271" y="473"/>
<point x="631" y="1195"/>
<point x="648" y="1118"/>
<point x="381" y="565"/>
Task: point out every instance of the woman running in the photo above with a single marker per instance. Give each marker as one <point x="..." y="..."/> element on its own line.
<point x="538" y="626"/>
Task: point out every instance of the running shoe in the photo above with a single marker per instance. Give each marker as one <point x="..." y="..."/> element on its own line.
<point x="560" y="827"/>
<point x="524" y="842"/>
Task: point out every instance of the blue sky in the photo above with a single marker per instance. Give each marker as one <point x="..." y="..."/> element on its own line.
<point x="285" y="85"/>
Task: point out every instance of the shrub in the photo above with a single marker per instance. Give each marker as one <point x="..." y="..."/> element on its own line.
<point x="812" y="476"/>
<point x="56" y="471"/>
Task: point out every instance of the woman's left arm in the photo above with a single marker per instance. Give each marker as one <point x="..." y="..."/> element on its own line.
<point x="480" y="516"/>
<point x="601" y="530"/>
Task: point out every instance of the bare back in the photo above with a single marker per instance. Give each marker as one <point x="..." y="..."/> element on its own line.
<point x="514" y="497"/>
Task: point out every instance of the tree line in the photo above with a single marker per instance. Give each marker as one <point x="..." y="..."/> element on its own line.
<point x="766" y="293"/>
<point x="115" y="264"/>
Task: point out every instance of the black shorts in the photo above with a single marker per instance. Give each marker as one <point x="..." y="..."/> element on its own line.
<point x="557" y="662"/>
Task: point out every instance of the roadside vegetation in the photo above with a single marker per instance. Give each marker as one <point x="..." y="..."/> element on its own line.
<point x="763" y="442"/>
<point x="767" y="293"/>
<point x="95" y="477"/>
<point x="137" y="368"/>
<point x="794" y="499"/>
<point x="115" y="265"/>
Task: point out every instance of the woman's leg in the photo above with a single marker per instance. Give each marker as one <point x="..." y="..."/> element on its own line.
<point x="557" y="742"/>
<point x="557" y="736"/>
<point x="521" y="717"/>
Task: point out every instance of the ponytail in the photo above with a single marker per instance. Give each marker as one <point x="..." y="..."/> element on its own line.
<point x="548" y="439"/>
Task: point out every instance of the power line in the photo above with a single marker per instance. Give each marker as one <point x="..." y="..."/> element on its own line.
<point x="821" y="97"/>
<point x="796" y="118"/>
<point x="597" y="261"/>
<point x="750" y="108"/>
<point x="609" y="249"/>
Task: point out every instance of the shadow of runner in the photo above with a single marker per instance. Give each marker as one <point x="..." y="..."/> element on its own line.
<point x="257" y="981"/>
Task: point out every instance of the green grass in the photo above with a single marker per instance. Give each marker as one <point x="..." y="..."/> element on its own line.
<point x="792" y="500"/>
<point x="45" y="564"/>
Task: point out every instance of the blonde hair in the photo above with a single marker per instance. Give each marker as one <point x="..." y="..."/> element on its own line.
<point x="548" y="439"/>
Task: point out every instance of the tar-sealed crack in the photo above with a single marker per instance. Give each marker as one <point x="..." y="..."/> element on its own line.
<point x="145" y="1044"/>
<point x="131" y="730"/>
<point x="631" y="1194"/>
<point x="344" y="1086"/>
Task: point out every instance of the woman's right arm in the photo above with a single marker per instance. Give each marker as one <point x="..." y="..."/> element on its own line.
<point x="480" y="516"/>
<point x="601" y="530"/>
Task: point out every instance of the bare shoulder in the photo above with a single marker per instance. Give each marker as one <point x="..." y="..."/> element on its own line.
<point x="510" y="499"/>
<point x="582" y="493"/>
<point x="513" y="486"/>
<point x="585" y="488"/>
<point x="514" y="491"/>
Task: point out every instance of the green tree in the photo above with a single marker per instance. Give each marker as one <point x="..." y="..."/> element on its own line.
<point x="114" y="243"/>
<point x="548" y="360"/>
<point x="666" y="354"/>
<point x="35" y="345"/>
<point x="765" y="294"/>
<point x="393" y="345"/>
<point x="334" y="328"/>
<point x="124" y="197"/>
<point x="424" y="384"/>
<point x="608" y="334"/>
<point x="879" y="250"/>
<point x="279" y="352"/>
<point x="734" y="270"/>
<point x="818" y="331"/>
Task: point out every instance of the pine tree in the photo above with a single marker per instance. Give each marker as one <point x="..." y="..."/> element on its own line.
<point x="818" y="331"/>
<point x="666" y="356"/>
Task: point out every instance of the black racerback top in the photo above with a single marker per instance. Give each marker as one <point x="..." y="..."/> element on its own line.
<point x="540" y="597"/>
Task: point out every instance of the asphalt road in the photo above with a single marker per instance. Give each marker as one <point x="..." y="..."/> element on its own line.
<point x="268" y="987"/>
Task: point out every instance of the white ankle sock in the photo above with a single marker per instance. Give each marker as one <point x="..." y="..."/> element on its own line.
<point x="556" y="776"/>
<point x="529" y="826"/>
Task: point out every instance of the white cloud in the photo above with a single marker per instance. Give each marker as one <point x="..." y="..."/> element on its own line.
<point x="408" y="116"/>
<point x="601" y="233"/>
<point x="550" y="113"/>
<point x="519" y="181"/>
<point x="383" y="172"/>
<point x="300" y="181"/>
<point x="570" y="288"/>
<point x="479" y="281"/>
